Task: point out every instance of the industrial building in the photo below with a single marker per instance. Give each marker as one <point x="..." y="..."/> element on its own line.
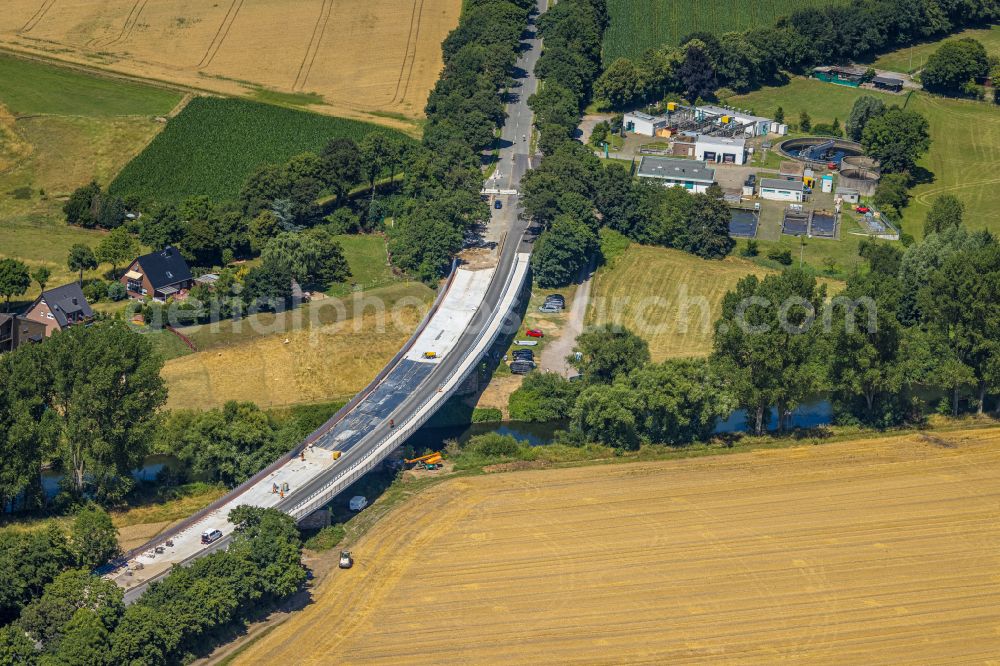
<point x="751" y="125"/>
<point x="672" y="172"/>
<point x="779" y="189"/>
<point x="721" y="149"/>
<point x="645" y="124"/>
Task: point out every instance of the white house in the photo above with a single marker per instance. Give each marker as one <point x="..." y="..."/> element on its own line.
<point x="778" y="189"/>
<point x="673" y="172"/>
<point x="722" y="149"/>
<point x="643" y="123"/>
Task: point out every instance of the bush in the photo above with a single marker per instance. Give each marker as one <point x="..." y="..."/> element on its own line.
<point x="544" y="396"/>
<point x="494" y="445"/>
<point x="95" y="290"/>
<point x="486" y="415"/>
<point x="117" y="292"/>
<point x="751" y="250"/>
<point x="782" y="256"/>
<point x="327" y="538"/>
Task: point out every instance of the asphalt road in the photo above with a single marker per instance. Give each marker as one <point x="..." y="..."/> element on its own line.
<point x="409" y="384"/>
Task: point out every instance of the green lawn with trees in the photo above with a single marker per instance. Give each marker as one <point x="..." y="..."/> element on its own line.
<point x="913" y="58"/>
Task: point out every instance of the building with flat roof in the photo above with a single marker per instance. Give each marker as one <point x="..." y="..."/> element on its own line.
<point x="673" y="172"/>
<point x="752" y="125"/>
<point x="889" y="83"/>
<point x="643" y="123"/>
<point x="779" y="189"/>
<point x="721" y="149"/>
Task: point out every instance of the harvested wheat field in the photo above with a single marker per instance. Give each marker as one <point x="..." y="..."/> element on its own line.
<point x="344" y="57"/>
<point x="879" y="551"/>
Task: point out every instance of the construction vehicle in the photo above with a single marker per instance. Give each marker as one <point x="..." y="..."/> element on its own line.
<point x="430" y="354"/>
<point x="430" y="461"/>
<point x="336" y="455"/>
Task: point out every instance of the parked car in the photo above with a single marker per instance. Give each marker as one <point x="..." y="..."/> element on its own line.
<point x="346" y="561"/>
<point x="550" y="308"/>
<point x="526" y="343"/>
<point x="534" y="333"/>
<point x="862" y="209"/>
<point x="498" y="204"/>
<point x="522" y="367"/>
<point x="555" y="297"/>
<point x="211" y="536"/>
<point x="358" y="502"/>
<point x="523" y="354"/>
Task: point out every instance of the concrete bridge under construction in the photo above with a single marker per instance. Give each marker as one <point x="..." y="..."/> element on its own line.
<point x="473" y="309"/>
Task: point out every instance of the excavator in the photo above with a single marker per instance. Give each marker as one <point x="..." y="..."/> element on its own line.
<point x="430" y="461"/>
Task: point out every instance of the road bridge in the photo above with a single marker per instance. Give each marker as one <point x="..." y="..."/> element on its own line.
<point x="473" y="308"/>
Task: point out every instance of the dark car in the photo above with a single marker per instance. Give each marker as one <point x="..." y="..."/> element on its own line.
<point x="498" y="204"/>
<point x="523" y="355"/>
<point x="555" y="297"/>
<point x="522" y="367"/>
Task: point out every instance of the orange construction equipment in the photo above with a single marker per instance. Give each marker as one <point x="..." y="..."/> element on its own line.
<point x="429" y="459"/>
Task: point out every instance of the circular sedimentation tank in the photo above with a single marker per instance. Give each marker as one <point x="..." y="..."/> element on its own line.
<point x="859" y="178"/>
<point x="839" y="150"/>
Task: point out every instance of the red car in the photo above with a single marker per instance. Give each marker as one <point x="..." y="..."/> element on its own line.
<point x="534" y="333"/>
<point x="862" y="209"/>
<point x="832" y="166"/>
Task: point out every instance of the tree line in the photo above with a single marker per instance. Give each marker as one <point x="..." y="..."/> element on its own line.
<point x="914" y="326"/>
<point x="742" y="61"/>
<point x="66" y="615"/>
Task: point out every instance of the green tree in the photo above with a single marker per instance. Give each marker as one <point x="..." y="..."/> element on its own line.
<point x="805" y="122"/>
<point x="81" y="258"/>
<point x="865" y="108"/>
<point x="893" y="193"/>
<point x="543" y="396"/>
<point x="621" y="83"/>
<point x="697" y="72"/>
<point x="117" y="248"/>
<point x="145" y="636"/>
<point x="342" y="166"/>
<point x="314" y="257"/>
<point x="28" y="562"/>
<point x="607" y="415"/>
<point x="946" y="213"/>
<point x="104" y="385"/>
<point x="86" y="641"/>
<point x="562" y="252"/>
<point x="16" y="649"/>
<point x="83" y="205"/>
<point x="41" y="276"/>
<point x="379" y="152"/>
<point x="14" y="279"/>
<point x="607" y="352"/>
<point x="779" y="115"/>
<point x="897" y="139"/>
<point x="954" y="67"/>
<point x="94" y="537"/>
<point x="46" y="618"/>
<point x="706" y="231"/>
<point x="766" y="345"/>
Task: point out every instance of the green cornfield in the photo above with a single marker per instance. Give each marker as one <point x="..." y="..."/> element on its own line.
<point x="214" y="144"/>
<point x="637" y="25"/>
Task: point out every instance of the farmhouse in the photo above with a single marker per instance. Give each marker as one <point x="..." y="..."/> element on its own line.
<point x="644" y="124"/>
<point x="158" y="275"/>
<point x="59" y="308"/>
<point x="671" y="172"/>
<point x="722" y="149"/>
<point x="777" y="189"/>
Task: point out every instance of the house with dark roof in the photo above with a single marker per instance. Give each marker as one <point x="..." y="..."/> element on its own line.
<point x="59" y="308"/>
<point x="890" y="83"/>
<point x="158" y="275"/>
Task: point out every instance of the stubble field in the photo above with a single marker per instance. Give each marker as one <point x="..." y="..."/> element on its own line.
<point x="879" y="551"/>
<point x="347" y="58"/>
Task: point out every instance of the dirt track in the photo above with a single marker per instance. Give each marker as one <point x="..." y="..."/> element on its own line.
<point x="878" y="551"/>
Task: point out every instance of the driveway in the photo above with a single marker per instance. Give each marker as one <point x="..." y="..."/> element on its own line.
<point x="553" y="357"/>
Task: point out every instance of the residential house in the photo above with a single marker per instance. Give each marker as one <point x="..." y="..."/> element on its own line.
<point x="158" y="275"/>
<point x="59" y="308"/>
<point x="15" y="331"/>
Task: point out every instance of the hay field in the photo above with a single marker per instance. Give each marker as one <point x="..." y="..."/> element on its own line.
<point x="646" y="288"/>
<point x="287" y="361"/>
<point x="344" y="57"/>
<point x="878" y="551"/>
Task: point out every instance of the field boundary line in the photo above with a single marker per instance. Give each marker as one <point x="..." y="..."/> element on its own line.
<point x="319" y="31"/>
<point x="413" y="57"/>
<point x="37" y="17"/>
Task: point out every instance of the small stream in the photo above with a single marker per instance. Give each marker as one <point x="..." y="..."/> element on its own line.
<point x="150" y="468"/>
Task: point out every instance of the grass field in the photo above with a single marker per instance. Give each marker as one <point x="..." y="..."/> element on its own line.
<point x="214" y="144"/>
<point x="878" y="551"/>
<point x="964" y="152"/>
<point x="58" y="130"/>
<point x="376" y="60"/>
<point x="316" y="354"/>
<point x="913" y="58"/>
<point x="637" y="25"/>
<point x="646" y="287"/>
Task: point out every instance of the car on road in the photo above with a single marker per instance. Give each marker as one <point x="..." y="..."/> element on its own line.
<point x="346" y="561"/>
<point x="534" y="333"/>
<point x="358" y="502"/>
<point x="211" y="536"/>
<point x="498" y="204"/>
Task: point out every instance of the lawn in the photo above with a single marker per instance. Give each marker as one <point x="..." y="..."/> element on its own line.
<point x="637" y="25"/>
<point x="913" y="58"/>
<point x="60" y="129"/>
<point x="964" y="153"/>
<point x="646" y="289"/>
<point x="214" y="144"/>
<point x="366" y="255"/>
<point x="325" y="351"/>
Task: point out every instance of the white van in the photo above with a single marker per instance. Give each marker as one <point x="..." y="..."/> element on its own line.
<point x="358" y="502"/>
